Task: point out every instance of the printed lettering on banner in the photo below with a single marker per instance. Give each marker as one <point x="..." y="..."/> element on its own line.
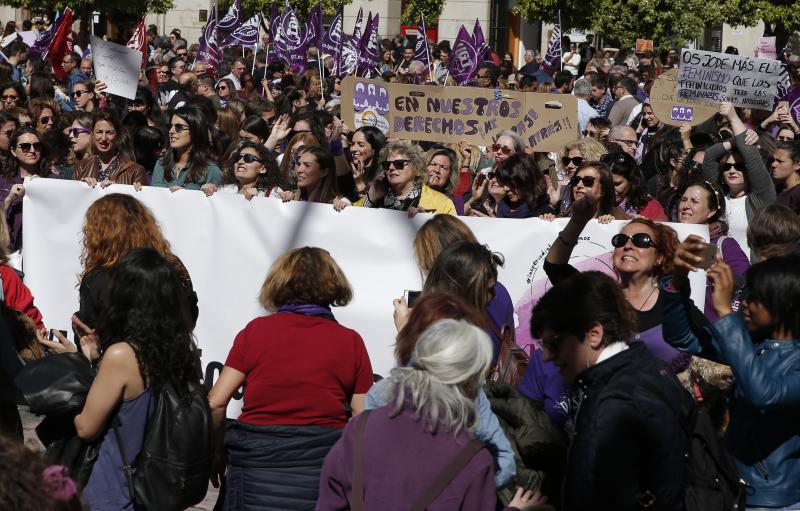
<point x="117" y="66"/>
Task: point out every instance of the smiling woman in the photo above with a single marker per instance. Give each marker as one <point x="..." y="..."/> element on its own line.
<point x="112" y="161"/>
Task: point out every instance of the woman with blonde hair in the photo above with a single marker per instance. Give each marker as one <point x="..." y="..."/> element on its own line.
<point x="572" y="155"/>
<point x="299" y="367"/>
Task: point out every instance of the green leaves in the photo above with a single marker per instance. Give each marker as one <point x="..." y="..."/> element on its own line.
<point x="431" y="9"/>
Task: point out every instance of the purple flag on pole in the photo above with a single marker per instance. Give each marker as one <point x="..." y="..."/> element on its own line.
<point x="369" y="54"/>
<point x="314" y="30"/>
<point x="209" y="50"/>
<point x="349" y="56"/>
<point x="39" y="48"/>
<point x="357" y="27"/>
<point x="246" y="34"/>
<point x="332" y="42"/>
<point x="232" y="20"/>
<point x="552" y="59"/>
<point x="276" y="46"/>
<point x="292" y="33"/>
<point x="483" y="49"/>
<point x="464" y="58"/>
<point x="421" y="50"/>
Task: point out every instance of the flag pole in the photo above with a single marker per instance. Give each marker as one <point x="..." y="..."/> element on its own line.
<point x="258" y="37"/>
<point x="561" y="35"/>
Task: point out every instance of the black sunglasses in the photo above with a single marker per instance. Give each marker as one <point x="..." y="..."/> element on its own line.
<point x="26" y="146"/>
<point x="741" y="167"/>
<point x="179" y="127"/>
<point x="640" y="240"/>
<point x="397" y="164"/>
<point x="248" y="158"/>
<point x="576" y="160"/>
<point x="78" y="93"/>
<point x="695" y="167"/>
<point x="611" y="159"/>
<point x="588" y="181"/>
<point x="550" y="343"/>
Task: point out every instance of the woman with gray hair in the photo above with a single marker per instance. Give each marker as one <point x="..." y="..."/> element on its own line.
<point x="400" y="183"/>
<point x="419" y="448"/>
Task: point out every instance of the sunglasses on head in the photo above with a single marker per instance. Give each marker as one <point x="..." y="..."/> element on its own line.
<point x="74" y="132"/>
<point x="576" y="161"/>
<point x="640" y="240"/>
<point x="502" y="149"/>
<point x="736" y="166"/>
<point x="396" y="164"/>
<point x="27" y="146"/>
<point x="248" y="158"/>
<point x="588" y="181"/>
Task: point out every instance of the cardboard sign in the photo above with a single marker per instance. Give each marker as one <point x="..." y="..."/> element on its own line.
<point x="766" y="48"/>
<point x="673" y="110"/>
<point x="117" y="66"/>
<point x="712" y="77"/>
<point x="450" y="114"/>
<point x="643" y="45"/>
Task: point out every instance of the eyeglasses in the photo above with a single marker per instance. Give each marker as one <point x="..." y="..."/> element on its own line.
<point x="178" y="128"/>
<point x="626" y="142"/>
<point x="9" y="97"/>
<point x="588" y="181"/>
<point x="163" y="72"/>
<point x="222" y="87"/>
<point x="248" y="158"/>
<point x="74" y="132"/>
<point x="740" y="167"/>
<point x="78" y="93"/>
<point x="784" y="138"/>
<point x="27" y="146"/>
<point x="47" y="119"/>
<point x="640" y="240"/>
<point x="502" y="149"/>
<point x="7" y="133"/>
<point x="550" y="343"/>
<point x="396" y="164"/>
<point x="576" y="160"/>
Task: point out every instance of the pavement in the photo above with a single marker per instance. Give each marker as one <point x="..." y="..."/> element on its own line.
<point x="29" y="423"/>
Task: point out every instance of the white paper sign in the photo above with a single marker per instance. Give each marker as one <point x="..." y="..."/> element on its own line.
<point x="228" y="245"/>
<point x="747" y="82"/>
<point x="766" y="48"/>
<point x="117" y="66"/>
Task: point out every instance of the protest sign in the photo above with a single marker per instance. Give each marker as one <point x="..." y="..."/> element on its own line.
<point x="766" y="48"/>
<point x="230" y="256"/>
<point x="643" y="45"/>
<point x="673" y="110"/>
<point x="747" y="82"/>
<point x="117" y="66"/>
<point x="450" y="114"/>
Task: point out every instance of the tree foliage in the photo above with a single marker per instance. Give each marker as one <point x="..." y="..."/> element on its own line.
<point x="134" y="8"/>
<point x="431" y="9"/>
<point x="301" y="7"/>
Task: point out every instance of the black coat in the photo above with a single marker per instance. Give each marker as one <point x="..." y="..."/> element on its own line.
<point x="628" y="443"/>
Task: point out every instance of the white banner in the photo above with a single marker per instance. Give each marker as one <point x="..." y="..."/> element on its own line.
<point x="228" y="245"/>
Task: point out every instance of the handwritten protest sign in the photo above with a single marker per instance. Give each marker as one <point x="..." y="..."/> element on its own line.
<point x="673" y="110"/>
<point x="766" y="48"/>
<point x="748" y="82"/>
<point x="643" y="45"/>
<point x="450" y="114"/>
<point x="117" y="66"/>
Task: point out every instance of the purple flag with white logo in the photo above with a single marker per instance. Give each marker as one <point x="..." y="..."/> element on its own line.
<point x="421" y="50"/>
<point x="232" y="20"/>
<point x="369" y="53"/>
<point x="479" y="41"/>
<point x="333" y="38"/>
<point x="314" y="30"/>
<point x="293" y="37"/>
<point x="247" y="34"/>
<point x="349" y="56"/>
<point x="552" y="59"/>
<point x="209" y="49"/>
<point x="464" y="59"/>
<point x="39" y="48"/>
<point x="357" y="27"/>
<point x="277" y="49"/>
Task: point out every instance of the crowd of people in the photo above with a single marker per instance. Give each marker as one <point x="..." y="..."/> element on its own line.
<point x="598" y="420"/>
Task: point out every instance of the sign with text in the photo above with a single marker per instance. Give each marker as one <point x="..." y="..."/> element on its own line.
<point x="117" y="66"/>
<point x="747" y="82"/>
<point x="673" y="110"/>
<point x="766" y="48"/>
<point x="450" y="114"/>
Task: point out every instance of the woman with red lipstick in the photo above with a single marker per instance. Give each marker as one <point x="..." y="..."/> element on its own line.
<point x="112" y="162"/>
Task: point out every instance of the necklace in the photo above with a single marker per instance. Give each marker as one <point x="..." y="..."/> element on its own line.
<point x="639" y="309"/>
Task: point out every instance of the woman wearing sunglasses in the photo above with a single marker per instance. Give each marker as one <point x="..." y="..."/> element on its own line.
<point x="630" y="193"/>
<point x="643" y="254"/>
<point x="45" y="113"/>
<point x="740" y="170"/>
<point x="83" y="96"/>
<point x="573" y="154"/>
<point x="524" y="189"/>
<point x="187" y="164"/>
<point x="760" y="344"/>
<point x="226" y="91"/>
<point x="29" y="159"/>
<point x="252" y="171"/>
<point x="80" y="136"/>
<point x="401" y="184"/>
<point x="593" y="179"/>
<point x="112" y="159"/>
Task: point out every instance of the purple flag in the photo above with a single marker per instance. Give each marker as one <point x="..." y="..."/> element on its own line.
<point x="552" y="59"/>
<point x="276" y="47"/>
<point x="349" y="56"/>
<point x="369" y="53"/>
<point x="464" y="58"/>
<point x="421" y="50"/>
<point x="483" y="49"/>
<point x="209" y="49"/>
<point x="232" y="20"/>
<point x="332" y="42"/>
<point x="314" y="30"/>
<point x="357" y="27"/>
<point x="293" y="36"/>
<point x="39" y="48"/>
<point x="246" y="34"/>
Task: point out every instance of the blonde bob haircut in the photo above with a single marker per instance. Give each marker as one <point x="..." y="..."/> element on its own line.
<point x="437" y="234"/>
<point x="307" y="275"/>
<point x="590" y="149"/>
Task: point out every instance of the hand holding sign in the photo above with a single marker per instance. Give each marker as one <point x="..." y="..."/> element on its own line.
<point x="117" y="66"/>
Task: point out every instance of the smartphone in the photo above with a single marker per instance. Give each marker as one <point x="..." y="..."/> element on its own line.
<point x="709" y="255"/>
<point x="479" y="206"/>
<point x="411" y="297"/>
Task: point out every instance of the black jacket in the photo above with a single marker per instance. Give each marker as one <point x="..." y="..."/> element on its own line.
<point x="628" y="444"/>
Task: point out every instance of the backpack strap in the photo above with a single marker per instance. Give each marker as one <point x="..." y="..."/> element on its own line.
<point x="357" y="498"/>
<point x="126" y="467"/>
<point x="720" y="241"/>
<point x="450" y="471"/>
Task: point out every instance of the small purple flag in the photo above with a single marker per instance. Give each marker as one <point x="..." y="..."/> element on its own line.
<point x="293" y="36"/>
<point x="369" y="53"/>
<point x="421" y="50"/>
<point x="246" y="34"/>
<point x="276" y="47"/>
<point x="314" y="30"/>
<point x="483" y="49"/>
<point x="332" y="42"/>
<point x="552" y="59"/>
<point x="357" y="27"/>
<point x="209" y="49"/>
<point x="348" y="56"/>
<point x="232" y="20"/>
<point x="39" y="48"/>
<point x="464" y="58"/>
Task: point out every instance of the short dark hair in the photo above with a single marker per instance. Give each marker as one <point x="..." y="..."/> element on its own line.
<point x="522" y="171"/>
<point x="492" y="71"/>
<point x="775" y="284"/>
<point x="526" y="81"/>
<point x="600" y="81"/>
<point x="628" y="84"/>
<point x="562" y="78"/>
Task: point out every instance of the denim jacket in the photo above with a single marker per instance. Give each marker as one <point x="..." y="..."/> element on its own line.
<point x="764" y="431"/>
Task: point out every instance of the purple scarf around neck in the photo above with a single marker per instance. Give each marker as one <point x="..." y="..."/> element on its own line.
<point x="307" y="309"/>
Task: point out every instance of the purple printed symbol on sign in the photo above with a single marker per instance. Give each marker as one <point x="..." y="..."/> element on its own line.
<point x="369" y="96"/>
<point x="682" y="113"/>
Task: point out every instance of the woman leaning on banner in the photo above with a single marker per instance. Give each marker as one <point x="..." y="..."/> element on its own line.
<point x="524" y="189"/>
<point x="251" y="171"/>
<point x="404" y="448"/>
<point x="442" y="174"/>
<point x="299" y="367"/>
<point x="315" y="170"/>
<point x="112" y="159"/>
<point x="401" y="187"/>
<point x="630" y="193"/>
<point x="187" y="164"/>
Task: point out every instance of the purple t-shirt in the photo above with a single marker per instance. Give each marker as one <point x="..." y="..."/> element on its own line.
<point x="501" y="311"/>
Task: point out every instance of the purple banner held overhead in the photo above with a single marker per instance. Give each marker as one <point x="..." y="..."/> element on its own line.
<point x="333" y="38"/>
<point x="552" y="59"/>
<point x="277" y="46"/>
<point x="464" y="59"/>
<point x="357" y="28"/>
<point x="369" y="53"/>
<point x="313" y="29"/>
<point x="292" y="33"/>
<point x="39" y="48"/>
<point x="348" y="57"/>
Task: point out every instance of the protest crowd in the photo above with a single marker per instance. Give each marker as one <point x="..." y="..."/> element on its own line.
<point x="633" y="397"/>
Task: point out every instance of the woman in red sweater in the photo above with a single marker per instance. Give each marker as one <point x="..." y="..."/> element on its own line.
<point x="299" y="368"/>
<point x="630" y="191"/>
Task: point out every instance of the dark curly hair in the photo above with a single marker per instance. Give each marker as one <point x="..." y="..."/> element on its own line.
<point x="147" y="309"/>
<point x="264" y="182"/>
<point x="624" y="165"/>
